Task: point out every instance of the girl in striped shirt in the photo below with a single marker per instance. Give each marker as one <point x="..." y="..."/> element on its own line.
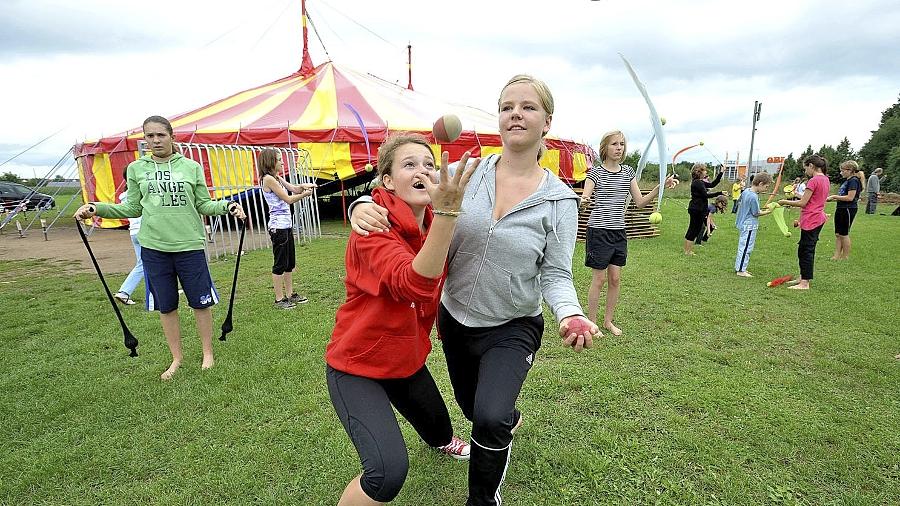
<point x="606" y="246"/>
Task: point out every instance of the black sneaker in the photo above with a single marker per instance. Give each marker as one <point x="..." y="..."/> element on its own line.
<point x="296" y="298"/>
<point x="284" y="303"/>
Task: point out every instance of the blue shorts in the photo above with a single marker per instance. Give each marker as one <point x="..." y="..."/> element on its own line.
<point x="163" y="271"/>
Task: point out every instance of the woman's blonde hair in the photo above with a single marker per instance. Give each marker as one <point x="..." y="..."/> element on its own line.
<point x="543" y="93"/>
<point x="850" y="164"/>
<point x="607" y="139"/>
<point x="389" y="148"/>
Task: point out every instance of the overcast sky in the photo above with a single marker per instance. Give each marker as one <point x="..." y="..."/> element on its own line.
<point x="822" y="69"/>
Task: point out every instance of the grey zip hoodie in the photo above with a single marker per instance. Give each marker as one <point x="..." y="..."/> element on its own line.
<point x="498" y="270"/>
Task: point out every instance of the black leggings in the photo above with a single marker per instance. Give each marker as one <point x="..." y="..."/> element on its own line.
<point x="697" y="225"/>
<point x="487" y="366"/>
<point x="364" y="408"/>
<point x="806" y="251"/>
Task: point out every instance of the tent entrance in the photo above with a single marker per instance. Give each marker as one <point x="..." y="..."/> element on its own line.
<point x="231" y="173"/>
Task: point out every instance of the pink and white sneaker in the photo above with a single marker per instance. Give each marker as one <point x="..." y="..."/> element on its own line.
<point x="456" y="448"/>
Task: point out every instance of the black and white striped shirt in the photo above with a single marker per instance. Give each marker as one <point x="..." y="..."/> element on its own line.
<point x="610" y="191"/>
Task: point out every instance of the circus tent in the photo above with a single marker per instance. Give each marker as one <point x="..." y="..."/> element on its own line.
<point x="340" y="116"/>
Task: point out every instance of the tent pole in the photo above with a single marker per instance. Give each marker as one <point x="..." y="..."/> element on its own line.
<point x="409" y="85"/>
<point x="306" y="66"/>
<point x="343" y="199"/>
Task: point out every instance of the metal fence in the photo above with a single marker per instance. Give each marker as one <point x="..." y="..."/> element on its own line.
<point x="233" y="174"/>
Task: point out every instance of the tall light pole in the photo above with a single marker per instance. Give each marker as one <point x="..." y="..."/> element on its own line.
<point x="757" y="107"/>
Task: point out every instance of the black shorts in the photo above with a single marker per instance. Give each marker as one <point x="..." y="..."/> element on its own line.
<point x="605" y="246"/>
<point x="697" y="224"/>
<point x="283" y="250"/>
<point x="843" y="220"/>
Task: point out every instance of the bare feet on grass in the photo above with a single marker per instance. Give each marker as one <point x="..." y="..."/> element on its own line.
<point x="519" y="421"/>
<point x="800" y="286"/>
<point x="208" y="362"/>
<point x="167" y="375"/>
<point x="616" y="331"/>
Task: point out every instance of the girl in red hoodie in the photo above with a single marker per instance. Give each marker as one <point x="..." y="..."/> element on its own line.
<point x="376" y="356"/>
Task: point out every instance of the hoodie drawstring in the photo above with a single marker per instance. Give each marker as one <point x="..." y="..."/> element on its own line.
<point x="553" y="214"/>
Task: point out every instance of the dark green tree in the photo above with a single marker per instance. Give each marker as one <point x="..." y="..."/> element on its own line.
<point x="9" y="176"/>
<point x="632" y="159"/>
<point x="875" y="152"/>
<point x="651" y="173"/>
<point x="891" y="181"/>
<point x="830" y="155"/>
<point x="792" y="168"/>
<point x="800" y="159"/>
<point x="890" y="112"/>
<point x="844" y="151"/>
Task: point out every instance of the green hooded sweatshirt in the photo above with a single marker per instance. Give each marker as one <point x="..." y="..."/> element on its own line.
<point x="170" y="196"/>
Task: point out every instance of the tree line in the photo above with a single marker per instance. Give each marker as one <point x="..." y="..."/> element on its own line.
<point x="28" y="181"/>
<point x="881" y="150"/>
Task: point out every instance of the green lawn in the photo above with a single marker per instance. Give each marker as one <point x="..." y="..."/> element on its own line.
<point x="721" y="391"/>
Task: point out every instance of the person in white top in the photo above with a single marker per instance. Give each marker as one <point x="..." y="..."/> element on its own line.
<point x="799" y="188"/>
<point x="275" y="191"/>
<point x="137" y="272"/>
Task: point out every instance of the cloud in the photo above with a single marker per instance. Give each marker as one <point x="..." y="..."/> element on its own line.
<point x="36" y="28"/>
<point x="798" y="41"/>
<point x="822" y="69"/>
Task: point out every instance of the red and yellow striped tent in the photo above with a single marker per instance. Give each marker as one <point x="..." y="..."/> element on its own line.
<point x="331" y="111"/>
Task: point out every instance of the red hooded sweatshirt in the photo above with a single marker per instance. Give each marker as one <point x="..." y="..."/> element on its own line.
<point x="383" y="329"/>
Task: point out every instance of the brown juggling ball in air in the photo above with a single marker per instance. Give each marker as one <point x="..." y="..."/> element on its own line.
<point x="447" y="128"/>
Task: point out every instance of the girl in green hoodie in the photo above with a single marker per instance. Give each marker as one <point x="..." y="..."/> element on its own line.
<point x="169" y="193"/>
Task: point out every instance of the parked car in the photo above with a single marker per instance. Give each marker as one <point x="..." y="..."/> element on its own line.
<point x="13" y="194"/>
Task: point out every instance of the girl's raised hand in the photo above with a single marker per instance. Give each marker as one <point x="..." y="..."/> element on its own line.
<point x="447" y="194"/>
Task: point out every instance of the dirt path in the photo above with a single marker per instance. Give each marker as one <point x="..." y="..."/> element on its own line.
<point x="112" y="248"/>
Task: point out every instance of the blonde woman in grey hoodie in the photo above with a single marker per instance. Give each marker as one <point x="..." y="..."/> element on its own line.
<point x="512" y="245"/>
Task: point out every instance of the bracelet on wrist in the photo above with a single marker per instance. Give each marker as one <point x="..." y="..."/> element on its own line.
<point x="441" y="212"/>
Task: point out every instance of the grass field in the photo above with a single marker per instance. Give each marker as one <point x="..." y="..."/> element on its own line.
<point x="721" y="391"/>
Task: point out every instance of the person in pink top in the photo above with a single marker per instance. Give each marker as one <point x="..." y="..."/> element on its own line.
<point x="812" y="216"/>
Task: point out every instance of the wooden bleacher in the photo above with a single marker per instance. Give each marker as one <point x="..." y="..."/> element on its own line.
<point x="637" y="223"/>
